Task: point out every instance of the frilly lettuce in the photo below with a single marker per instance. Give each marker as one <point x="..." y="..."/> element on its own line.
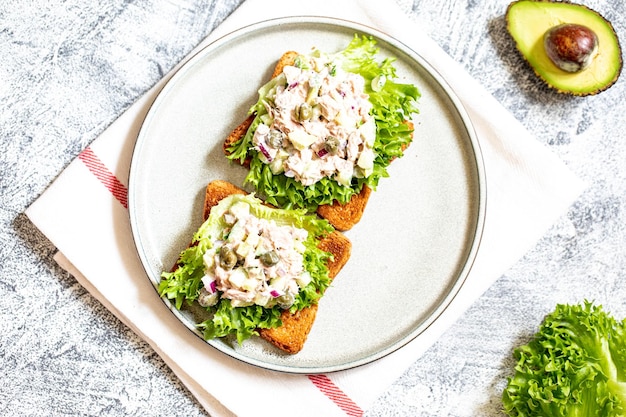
<point x="183" y="284"/>
<point x="575" y="366"/>
<point x="393" y="104"/>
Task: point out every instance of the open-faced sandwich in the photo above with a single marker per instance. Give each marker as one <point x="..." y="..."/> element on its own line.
<point x="324" y="130"/>
<point x="258" y="270"/>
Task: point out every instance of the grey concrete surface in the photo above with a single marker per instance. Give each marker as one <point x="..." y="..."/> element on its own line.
<point x="69" y="68"/>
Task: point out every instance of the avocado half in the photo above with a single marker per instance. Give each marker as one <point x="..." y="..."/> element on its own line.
<point x="529" y="20"/>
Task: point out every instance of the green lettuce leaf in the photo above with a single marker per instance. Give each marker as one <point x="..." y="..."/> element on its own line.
<point x="393" y="104"/>
<point x="574" y="366"/>
<point x="184" y="283"/>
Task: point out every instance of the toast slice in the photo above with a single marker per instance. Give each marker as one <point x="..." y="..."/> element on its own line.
<point x="289" y="337"/>
<point x="342" y="216"/>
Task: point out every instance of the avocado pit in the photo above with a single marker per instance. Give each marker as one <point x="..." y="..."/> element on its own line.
<point x="571" y="47"/>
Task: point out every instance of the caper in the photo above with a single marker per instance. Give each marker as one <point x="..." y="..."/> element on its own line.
<point x="286" y="300"/>
<point x="269" y="258"/>
<point x="304" y="112"/>
<point x="275" y="139"/>
<point x="207" y="299"/>
<point x="228" y="257"/>
<point x="331" y="144"/>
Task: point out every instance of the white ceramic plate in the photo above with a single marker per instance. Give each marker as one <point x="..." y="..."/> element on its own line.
<point x="412" y="249"/>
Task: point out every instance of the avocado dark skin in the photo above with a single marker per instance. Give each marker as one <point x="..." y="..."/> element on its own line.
<point x="571" y="47"/>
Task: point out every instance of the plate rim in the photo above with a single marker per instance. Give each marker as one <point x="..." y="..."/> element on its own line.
<point x="477" y="157"/>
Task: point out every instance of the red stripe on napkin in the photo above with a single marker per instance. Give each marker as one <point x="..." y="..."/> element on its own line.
<point x="332" y="391"/>
<point x="120" y="192"/>
<point x="106" y="177"/>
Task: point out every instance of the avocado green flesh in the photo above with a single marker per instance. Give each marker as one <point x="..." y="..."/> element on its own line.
<point x="529" y="20"/>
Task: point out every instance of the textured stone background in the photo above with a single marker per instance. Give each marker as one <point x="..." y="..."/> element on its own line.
<point x="69" y="68"/>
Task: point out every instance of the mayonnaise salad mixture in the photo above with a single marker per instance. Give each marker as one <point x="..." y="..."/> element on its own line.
<point x="254" y="261"/>
<point x="318" y="124"/>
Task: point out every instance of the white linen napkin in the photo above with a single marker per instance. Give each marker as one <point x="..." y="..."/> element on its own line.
<point x="528" y="189"/>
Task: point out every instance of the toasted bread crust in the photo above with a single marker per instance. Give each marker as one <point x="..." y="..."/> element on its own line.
<point x="289" y="337"/>
<point x="215" y="192"/>
<point x="341" y="248"/>
<point x="342" y="216"/>
<point x="288" y="58"/>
